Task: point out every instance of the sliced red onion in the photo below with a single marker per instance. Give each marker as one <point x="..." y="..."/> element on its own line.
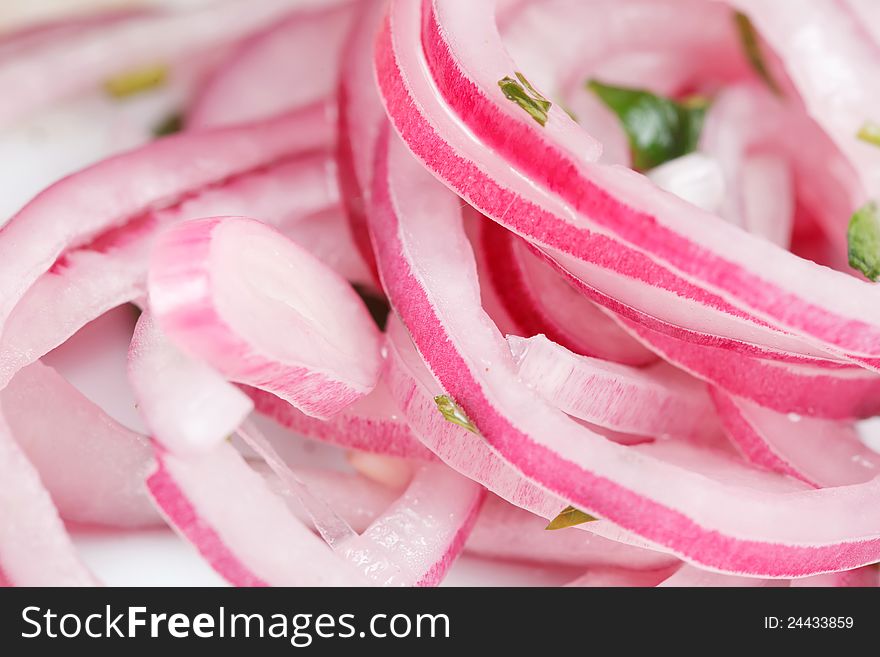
<point x="26" y="24"/>
<point x="592" y="271"/>
<point x="696" y="178"/>
<point x="768" y="534"/>
<point x="619" y="577"/>
<point x="819" y="452"/>
<point x="169" y="384"/>
<point x="243" y="529"/>
<point x="502" y="531"/>
<point x="418" y="113"/>
<point x="35" y="549"/>
<point x="688" y="576"/>
<point x="357" y="499"/>
<point x="490" y="296"/>
<point x="415" y="390"/>
<point x="829" y="55"/>
<point x="120" y="190"/>
<point x="670" y="47"/>
<point x="329" y="237"/>
<point x="263" y="312"/>
<point x="88" y="57"/>
<point x="187" y="406"/>
<point x="750" y="131"/>
<point x="779" y="351"/>
<point x="829" y="310"/>
<point x="250" y="85"/>
<point x="372" y="424"/>
<point x="416" y="540"/>
<point x="814" y="388"/>
<point x="867" y="576"/>
<point x="333" y="529"/>
<point x="110" y="269"/>
<point x="433" y="517"/>
<point x="539" y="300"/>
<point x="360" y="116"/>
<point x="655" y="401"/>
<point x="94" y="468"/>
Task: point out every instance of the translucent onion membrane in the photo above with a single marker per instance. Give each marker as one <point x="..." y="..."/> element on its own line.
<point x="682" y="355"/>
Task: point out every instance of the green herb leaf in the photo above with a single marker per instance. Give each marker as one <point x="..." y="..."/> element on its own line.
<point x="569" y="517"/>
<point x="863" y="240"/>
<point x="748" y="36"/>
<point x="171" y="124"/>
<point x="452" y="413"/>
<point x="137" y="81"/>
<point x="526" y="96"/>
<point x="659" y="129"/>
<point x="869" y="132"/>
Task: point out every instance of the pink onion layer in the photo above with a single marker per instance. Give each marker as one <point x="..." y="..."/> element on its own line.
<point x="372" y="424"/>
<point x="819" y="452"/>
<point x="417" y="538"/>
<point x="35" y="550"/>
<point x="94" y="468"/>
<point x="250" y="85"/>
<point x="188" y="407"/>
<point x="709" y="521"/>
<point x="239" y="526"/>
<point x="657" y="401"/>
<point x="262" y="311"/>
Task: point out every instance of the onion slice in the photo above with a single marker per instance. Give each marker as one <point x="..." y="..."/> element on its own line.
<point x="619" y="577"/>
<point x="94" y="468"/>
<point x="188" y="407"/>
<point x="119" y="191"/>
<point x="35" y="549"/>
<point x="89" y="56"/>
<point x="721" y="272"/>
<point x="541" y="301"/>
<point x="263" y="312"/>
<point x="372" y="424"/>
<point x="416" y="540"/>
<point x="819" y="452"/>
<point x="657" y="401"/>
<point x="250" y="85"/>
<point x="243" y="529"/>
<point x="706" y="520"/>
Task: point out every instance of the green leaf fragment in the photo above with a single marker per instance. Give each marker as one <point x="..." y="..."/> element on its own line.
<point x="452" y="413"/>
<point x="863" y="240"/>
<point x="171" y="124"/>
<point x="869" y="132"/>
<point x="137" y="81"/>
<point x="569" y="517"/>
<point x="751" y="44"/>
<point x="659" y="129"/>
<point x="521" y="92"/>
<point x="570" y="112"/>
